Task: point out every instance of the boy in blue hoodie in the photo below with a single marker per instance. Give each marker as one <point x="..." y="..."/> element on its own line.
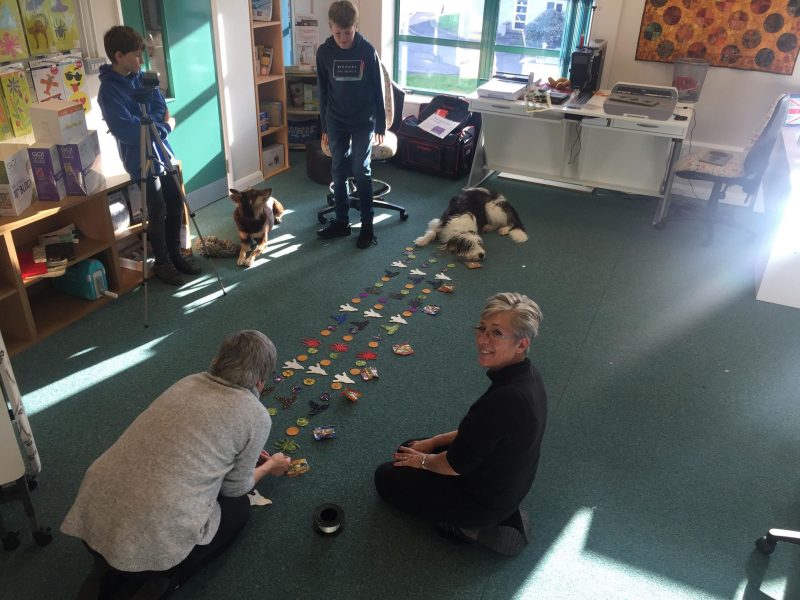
<point x="122" y="114"/>
<point x="351" y="110"/>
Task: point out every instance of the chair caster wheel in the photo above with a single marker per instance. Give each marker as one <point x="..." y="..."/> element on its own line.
<point x="765" y="546"/>
<point x="43" y="536"/>
<point x="404" y="216"/>
<point x="11" y="540"/>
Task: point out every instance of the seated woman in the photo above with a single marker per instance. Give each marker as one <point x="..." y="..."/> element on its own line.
<point x="471" y="481"/>
<point x="171" y="493"/>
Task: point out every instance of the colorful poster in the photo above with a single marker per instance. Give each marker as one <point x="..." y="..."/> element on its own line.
<point x="18" y="97"/>
<point x="74" y="82"/>
<point x="47" y="80"/>
<point x="756" y="35"/>
<point x="6" y="131"/>
<point x="50" y="25"/>
<point x="12" y="42"/>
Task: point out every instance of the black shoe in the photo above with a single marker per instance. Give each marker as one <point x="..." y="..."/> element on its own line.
<point x="185" y="265"/>
<point x="510" y="537"/>
<point x="334" y="230"/>
<point x="167" y="273"/>
<point x="366" y="238"/>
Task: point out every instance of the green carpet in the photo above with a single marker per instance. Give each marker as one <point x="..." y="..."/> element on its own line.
<point x="672" y="434"/>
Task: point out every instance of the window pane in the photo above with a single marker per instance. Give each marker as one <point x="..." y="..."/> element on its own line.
<point x="154" y="40"/>
<point x="437" y="68"/>
<point x="442" y="19"/>
<point x="542" y="67"/>
<point x="538" y="25"/>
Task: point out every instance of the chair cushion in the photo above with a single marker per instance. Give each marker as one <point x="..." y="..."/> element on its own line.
<point x="379" y="151"/>
<point x="691" y="163"/>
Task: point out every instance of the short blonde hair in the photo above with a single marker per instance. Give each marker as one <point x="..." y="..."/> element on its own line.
<point x="526" y="316"/>
<point x="343" y="13"/>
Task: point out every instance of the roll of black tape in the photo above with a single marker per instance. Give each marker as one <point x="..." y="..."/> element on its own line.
<point x="328" y="519"/>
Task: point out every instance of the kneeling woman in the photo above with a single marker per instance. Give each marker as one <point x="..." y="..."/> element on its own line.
<point x="471" y="481"/>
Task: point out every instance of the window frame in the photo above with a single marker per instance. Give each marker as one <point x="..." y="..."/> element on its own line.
<point x="577" y="22"/>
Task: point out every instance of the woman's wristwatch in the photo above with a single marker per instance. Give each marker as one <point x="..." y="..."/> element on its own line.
<point x="422" y="464"/>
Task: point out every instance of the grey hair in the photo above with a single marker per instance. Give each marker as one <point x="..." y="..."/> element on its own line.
<point x="245" y="358"/>
<point x="525" y="313"/>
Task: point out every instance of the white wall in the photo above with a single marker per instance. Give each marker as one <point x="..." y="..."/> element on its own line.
<point x="732" y="103"/>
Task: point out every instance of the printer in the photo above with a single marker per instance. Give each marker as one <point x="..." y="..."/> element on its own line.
<point x="645" y="101"/>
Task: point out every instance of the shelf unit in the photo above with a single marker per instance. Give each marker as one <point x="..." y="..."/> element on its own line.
<point x="32" y="309"/>
<point x="298" y="113"/>
<point x="272" y="87"/>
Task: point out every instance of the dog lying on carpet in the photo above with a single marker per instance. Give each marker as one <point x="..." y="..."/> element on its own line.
<point x="471" y="212"/>
<point x="256" y="213"/>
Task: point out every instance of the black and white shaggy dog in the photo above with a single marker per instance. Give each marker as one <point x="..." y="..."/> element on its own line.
<point x="471" y="212"/>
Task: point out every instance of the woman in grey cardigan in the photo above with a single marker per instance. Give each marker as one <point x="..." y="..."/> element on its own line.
<point x="171" y="493"/>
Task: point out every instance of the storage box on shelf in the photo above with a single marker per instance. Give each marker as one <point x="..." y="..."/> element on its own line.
<point x="32" y="309"/>
<point x="302" y="107"/>
<point x="271" y="88"/>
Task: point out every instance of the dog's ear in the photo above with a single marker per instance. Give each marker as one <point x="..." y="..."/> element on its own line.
<point x="236" y="195"/>
<point x="268" y="192"/>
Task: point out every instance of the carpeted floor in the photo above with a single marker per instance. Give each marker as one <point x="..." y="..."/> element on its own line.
<point x="672" y="439"/>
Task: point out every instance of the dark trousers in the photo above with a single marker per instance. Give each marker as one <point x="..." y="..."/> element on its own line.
<point x="351" y="154"/>
<point x="234" y="515"/>
<point x="433" y="497"/>
<point x="165" y="213"/>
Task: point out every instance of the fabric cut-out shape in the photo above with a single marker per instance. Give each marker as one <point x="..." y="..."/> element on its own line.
<point x="392" y="273"/>
<point x="316" y="370"/>
<point x="257" y="499"/>
<point x="347" y="308"/>
<point x="398" y="319"/>
<point x="391" y="329"/>
<point x="342" y="378"/>
<point x="367" y="355"/>
<point x="373" y="314"/>
<point x="436" y="284"/>
<point x="447" y="289"/>
<point x="286" y="401"/>
<point x="396" y="296"/>
<point x="287" y="446"/>
<point x="403" y="349"/>
<point x="417" y="279"/>
<point x="400" y="264"/>
<point x="416" y="272"/>
<point x="337" y="347"/>
<point x="358" y="326"/>
<point x="339" y="318"/>
<point x="432" y="309"/>
<point x="292" y="364"/>
<point x="311" y="343"/>
<point x="372" y="290"/>
<point x="414" y="303"/>
<point x="443" y="277"/>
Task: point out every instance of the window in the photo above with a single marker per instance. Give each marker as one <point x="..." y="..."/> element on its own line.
<point x="454" y="45"/>
<point x="154" y="41"/>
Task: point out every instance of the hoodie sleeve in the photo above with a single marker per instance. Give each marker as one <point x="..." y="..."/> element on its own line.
<point x="322" y="88"/>
<point x="377" y="91"/>
<point x="115" y="106"/>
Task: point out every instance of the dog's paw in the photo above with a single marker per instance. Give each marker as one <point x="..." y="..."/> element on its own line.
<point x="487" y="228"/>
<point x="518" y="235"/>
<point x="278" y="220"/>
<point x="503" y="230"/>
<point x="421" y="241"/>
<point x="240" y="261"/>
<point x="249" y="262"/>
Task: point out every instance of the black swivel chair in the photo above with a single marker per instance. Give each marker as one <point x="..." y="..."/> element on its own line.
<point x="743" y="169"/>
<point x="766" y="544"/>
<point x="380" y="189"/>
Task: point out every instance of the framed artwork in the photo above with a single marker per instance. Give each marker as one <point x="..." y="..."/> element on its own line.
<point x="756" y="35"/>
<point x="12" y="34"/>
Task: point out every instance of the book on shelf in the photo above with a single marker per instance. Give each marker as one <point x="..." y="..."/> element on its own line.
<point x="28" y="267"/>
<point x="265" y="61"/>
<point x="67" y="234"/>
<point x="60" y="251"/>
<point x="261" y="10"/>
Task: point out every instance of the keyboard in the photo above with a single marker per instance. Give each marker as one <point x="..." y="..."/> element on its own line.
<point x="582" y="98"/>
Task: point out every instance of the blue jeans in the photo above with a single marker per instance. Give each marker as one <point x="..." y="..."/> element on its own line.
<point x="350" y="151"/>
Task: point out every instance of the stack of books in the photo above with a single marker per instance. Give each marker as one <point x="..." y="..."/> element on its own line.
<point x="263" y="60"/>
<point x="52" y="254"/>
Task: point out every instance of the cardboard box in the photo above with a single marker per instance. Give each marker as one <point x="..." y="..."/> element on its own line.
<point x="47" y="172"/>
<point x="272" y="158"/>
<point x="77" y="160"/>
<point x="17" y="190"/>
<point x="58" y="122"/>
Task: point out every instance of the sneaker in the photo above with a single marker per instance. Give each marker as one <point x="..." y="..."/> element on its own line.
<point x="366" y="238"/>
<point x="456" y="534"/>
<point x="334" y="230"/>
<point x="185" y="265"/>
<point x="510" y="537"/>
<point x="167" y="273"/>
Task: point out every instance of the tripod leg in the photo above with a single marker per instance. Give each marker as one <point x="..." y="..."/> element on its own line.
<point x="173" y="171"/>
<point x="144" y="166"/>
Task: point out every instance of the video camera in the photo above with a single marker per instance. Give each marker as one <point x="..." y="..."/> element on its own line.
<point x="149" y="83"/>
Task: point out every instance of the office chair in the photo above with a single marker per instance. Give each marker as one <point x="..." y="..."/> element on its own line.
<point x="393" y="103"/>
<point x="766" y="544"/>
<point x="744" y="169"/>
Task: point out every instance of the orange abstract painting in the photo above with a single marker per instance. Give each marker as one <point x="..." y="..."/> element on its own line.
<point x="757" y="35"/>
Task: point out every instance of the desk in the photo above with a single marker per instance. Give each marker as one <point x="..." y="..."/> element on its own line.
<point x="581" y="146"/>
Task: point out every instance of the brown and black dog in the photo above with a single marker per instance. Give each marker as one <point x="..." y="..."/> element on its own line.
<point x="255" y="215"/>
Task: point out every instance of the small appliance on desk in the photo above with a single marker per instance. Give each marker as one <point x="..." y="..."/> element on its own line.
<point x="585" y="69"/>
<point x="504" y="86"/>
<point x="647" y="101"/>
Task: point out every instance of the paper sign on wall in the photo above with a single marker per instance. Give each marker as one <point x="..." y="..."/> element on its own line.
<point x="18" y="97"/>
<point x="50" y="25"/>
<point x="12" y="34"/>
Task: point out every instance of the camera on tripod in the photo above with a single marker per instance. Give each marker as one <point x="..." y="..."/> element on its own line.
<point x="149" y="83"/>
